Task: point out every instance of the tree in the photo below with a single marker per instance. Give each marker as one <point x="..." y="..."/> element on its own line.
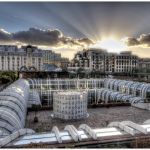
<point x="8" y="76"/>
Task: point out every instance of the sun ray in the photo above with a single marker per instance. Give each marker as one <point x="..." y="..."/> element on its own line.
<point x="111" y="44"/>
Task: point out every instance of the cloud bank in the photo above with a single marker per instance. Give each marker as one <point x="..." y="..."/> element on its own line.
<point x="5" y="36"/>
<point x="41" y="37"/>
<point x="142" y="40"/>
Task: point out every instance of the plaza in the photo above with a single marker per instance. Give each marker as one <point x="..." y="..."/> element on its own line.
<point x="98" y="117"/>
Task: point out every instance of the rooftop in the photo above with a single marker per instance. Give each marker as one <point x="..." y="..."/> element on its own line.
<point x="98" y="117"/>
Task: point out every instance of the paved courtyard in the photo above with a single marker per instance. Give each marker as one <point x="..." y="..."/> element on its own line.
<point x="98" y="117"/>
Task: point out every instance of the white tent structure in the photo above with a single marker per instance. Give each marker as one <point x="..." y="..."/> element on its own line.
<point x="70" y="134"/>
<point x="128" y="91"/>
<point x="13" y="106"/>
<point x="70" y="105"/>
<point x="15" y="98"/>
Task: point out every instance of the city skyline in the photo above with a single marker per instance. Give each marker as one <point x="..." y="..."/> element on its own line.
<point x="74" y="74"/>
<point x="68" y="27"/>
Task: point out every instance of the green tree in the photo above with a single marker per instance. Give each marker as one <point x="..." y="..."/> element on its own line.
<point x="8" y="76"/>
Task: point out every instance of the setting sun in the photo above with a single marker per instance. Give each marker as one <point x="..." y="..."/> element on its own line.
<point x="112" y="45"/>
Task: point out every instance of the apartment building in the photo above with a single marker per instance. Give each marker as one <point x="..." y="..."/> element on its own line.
<point x="144" y="65"/>
<point x="92" y="59"/>
<point x="13" y="58"/>
<point x="103" y="61"/>
<point x="50" y="57"/>
<point x="28" y="58"/>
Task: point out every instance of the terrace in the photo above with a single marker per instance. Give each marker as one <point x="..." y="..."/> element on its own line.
<point x="98" y="117"/>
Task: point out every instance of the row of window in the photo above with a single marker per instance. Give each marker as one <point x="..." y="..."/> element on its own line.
<point x="18" y="58"/>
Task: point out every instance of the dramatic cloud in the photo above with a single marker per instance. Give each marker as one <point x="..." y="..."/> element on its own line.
<point x="86" y="41"/>
<point x="40" y="37"/>
<point x="131" y="41"/>
<point x="144" y="39"/>
<point x="5" y="36"/>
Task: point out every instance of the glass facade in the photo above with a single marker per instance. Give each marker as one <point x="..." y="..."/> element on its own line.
<point x="46" y="88"/>
<point x="13" y="106"/>
<point x="70" y="105"/>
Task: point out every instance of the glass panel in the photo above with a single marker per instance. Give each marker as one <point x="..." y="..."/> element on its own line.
<point x="38" y="136"/>
<point x="105" y="130"/>
<point x="84" y="136"/>
<point x="81" y="132"/>
<point x="44" y="140"/>
<point x="108" y="134"/>
<point x="66" y="138"/>
<point x="146" y="126"/>
<point x="64" y="133"/>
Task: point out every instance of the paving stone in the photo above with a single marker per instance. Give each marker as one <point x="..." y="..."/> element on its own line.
<point x="98" y="117"/>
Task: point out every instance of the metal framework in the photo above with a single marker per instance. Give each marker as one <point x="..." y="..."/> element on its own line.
<point x="70" y="105"/>
<point x="129" y="87"/>
<point x="107" y="96"/>
<point x="46" y="87"/>
<point x="14" y="101"/>
<point x="13" y="106"/>
<point x="71" y="134"/>
<point x="116" y="90"/>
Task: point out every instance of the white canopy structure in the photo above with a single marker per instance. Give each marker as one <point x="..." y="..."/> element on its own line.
<point x="129" y="87"/>
<point x="15" y="99"/>
<point x="13" y="106"/>
<point x="121" y="90"/>
<point x="70" y="105"/>
<point x="71" y="134"/>
<point x="106" y="96"/>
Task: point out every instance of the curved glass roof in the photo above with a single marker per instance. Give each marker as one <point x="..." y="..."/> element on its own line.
<point x="13" y="106"/>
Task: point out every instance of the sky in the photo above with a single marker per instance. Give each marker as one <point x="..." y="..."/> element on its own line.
<point x="68" y="27"/>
